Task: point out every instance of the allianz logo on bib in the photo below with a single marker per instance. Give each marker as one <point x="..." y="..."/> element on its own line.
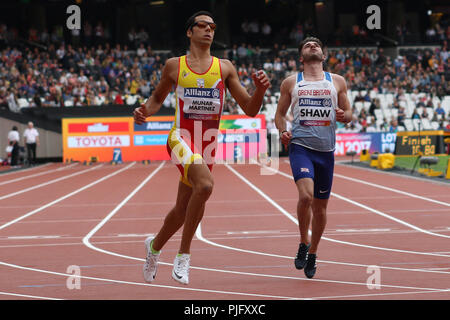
<point x="314" y="102"/>
<point x="202" y="93"/>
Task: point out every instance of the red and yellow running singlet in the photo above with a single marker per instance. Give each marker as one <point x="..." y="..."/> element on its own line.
<point x="199" y="104"/>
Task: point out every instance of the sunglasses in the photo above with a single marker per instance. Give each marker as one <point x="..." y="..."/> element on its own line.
<point x="203" y="24"/>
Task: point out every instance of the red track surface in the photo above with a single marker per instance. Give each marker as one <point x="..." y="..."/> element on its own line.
<point x="97" y="217"/>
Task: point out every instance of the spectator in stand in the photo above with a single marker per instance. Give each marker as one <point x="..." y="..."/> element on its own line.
<point x="381" y="60"/>
<point x="436" y="117"/>
<point x="292" y="65"/>
<point x="143" y="37"/>
<point x="341" y="56"/>
<point x="394" y="126"/>
<point x="395" y="105"/>
<point x="359" y="97"/>
<point x="242" y="52"/>
<point x="439" y="110"/>
<point x="384" y="126"/>
<point x="425" y="114"/>
<point x="365" y="60"/>
<point x="132" y="38"/>
<point x="118" y="99"/>
<point x="279" y="67"/>
<point x="144" y="89"/>
<point x="415" y="114"/>
<point x="401" y="116"/>
<point x="354" y="125"/>
<point x="141" y="50"/>
<point x="371" y="124"/>
<point x="3" y="101"/>
<point x="332" y="60"/>
<point x="37" y="101"/>
<point x="11" y="99"/>
<point x="268" y="65"/>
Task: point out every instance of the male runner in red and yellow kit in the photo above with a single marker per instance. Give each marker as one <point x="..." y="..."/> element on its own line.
<point x="200" y="81"/>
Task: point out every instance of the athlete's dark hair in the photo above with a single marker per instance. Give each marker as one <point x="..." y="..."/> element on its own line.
<point x="190" y="22"/>
<point x="306" y="40"/>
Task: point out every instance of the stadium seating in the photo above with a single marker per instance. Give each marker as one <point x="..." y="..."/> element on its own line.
<point x="148" y="68"/>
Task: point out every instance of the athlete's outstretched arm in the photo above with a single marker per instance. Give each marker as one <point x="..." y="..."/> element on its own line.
<point x="153" y="104"/>
<point x="344" y="112"/>
<point x="249" y="104"/>
<point x="284" y="103"/>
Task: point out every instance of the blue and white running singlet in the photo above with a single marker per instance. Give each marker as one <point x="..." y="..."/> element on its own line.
<point x="313" y="104"/>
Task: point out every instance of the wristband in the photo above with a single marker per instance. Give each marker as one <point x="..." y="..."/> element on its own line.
<point x="283" y="132"/>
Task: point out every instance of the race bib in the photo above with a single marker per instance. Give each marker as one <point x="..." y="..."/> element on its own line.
<point x="315" y="111"/>
<point x="201" y="103"/>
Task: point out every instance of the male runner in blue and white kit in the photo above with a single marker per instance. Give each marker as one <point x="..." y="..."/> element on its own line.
<point x="318" y="99"/>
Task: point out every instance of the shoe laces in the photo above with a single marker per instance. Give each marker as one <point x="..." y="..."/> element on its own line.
<point x="311" y="260"/>
<point x="302" y="251"/>
<point x="152" y="257"/>
<point x="183" y="264"/>
<point x="152" y="260"/>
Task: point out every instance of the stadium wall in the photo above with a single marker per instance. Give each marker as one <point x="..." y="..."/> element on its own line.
<point x="50" y="142"/>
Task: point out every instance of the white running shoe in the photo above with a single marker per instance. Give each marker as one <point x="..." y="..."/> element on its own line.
<point x="180" y="270"/>
<point x="151" y="262"/>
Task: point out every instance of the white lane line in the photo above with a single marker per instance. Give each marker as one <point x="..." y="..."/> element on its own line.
<point x="412" y="195"/>
<point x="379" y="294"/>
<point x="117" y="208"/>
<point x="48" y="182"/>
<point x="65" y="197"/>
<point x="290" y="217"/>
<point x="255" y="232"/>
<point x="389" y="217"/>
<point x="36" y="175"/>
<point x="392" y="173"/>
<point x="132" y="235"/>
<point x="27" y="296"/>
<point x="376" y="211"/>
<point x="25" y="170"/>
<point x="200" y="237"/>
<point x="388" y="188"/>
<point x="32" y="237"/>
<point x="147" y="284"/>
<point x="198" y="234"/>
<point x="363" y="231"/>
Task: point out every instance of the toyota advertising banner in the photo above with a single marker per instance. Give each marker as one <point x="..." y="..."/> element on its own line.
<point x="108" y="139"/>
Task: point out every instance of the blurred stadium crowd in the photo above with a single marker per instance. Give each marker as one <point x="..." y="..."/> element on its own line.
<point x="407" y="92"/>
